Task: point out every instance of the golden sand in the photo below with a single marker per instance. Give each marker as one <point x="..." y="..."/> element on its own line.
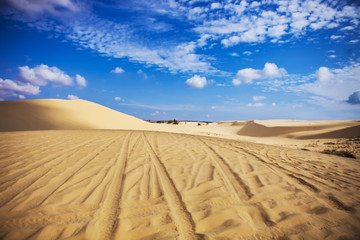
<point x="160" y="184"/>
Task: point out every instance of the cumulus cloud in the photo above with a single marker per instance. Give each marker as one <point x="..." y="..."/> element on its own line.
<point x="72" y="97"/>
<point x="324" y="74"/>
<point x="80" y="81"/>
<point x="336" y="84"/>
<point x="196" y="82"/>
<point x="117" y="98"/>
<point x="248" y="75"/>
<point x="118" y="70"/>
<point x="42" y="74"/>
<point x="29" y="80"/>
<point x="11" y="88"/>
<point x="259" y="98"/>
<point x="354" y="98"/>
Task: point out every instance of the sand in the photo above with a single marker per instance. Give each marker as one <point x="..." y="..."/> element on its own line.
<point x="56" y="114"/>
<point x="139" y="184"/>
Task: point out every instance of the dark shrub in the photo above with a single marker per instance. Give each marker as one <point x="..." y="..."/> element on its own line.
<point x="339" y="153"/>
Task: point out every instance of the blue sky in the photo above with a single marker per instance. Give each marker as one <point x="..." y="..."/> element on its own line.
<point x="189" y="60"/>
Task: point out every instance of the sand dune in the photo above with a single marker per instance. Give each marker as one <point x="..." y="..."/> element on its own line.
<point x="300" y="129"/>
<point x="55" y="114"/>
<point x="131" y="184"/>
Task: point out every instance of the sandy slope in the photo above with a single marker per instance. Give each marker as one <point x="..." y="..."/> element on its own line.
<point x="52" y="114"/>
<point x="97" y="184"/>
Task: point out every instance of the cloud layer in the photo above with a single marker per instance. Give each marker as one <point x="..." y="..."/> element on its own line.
<point x="203" y="24"/>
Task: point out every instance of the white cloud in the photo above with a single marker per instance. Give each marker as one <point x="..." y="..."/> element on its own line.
<point x="247" y="75"/>
<point x="42" y="74"/>
<point x="141" y="72"/>
<point x="236" y="22"/>
<point x="332" y="56"/>
<point x="247" y="53"/>
<point x="259" y="98"/>
<point x="231" y="41"/>
<point x="347" y="28"/>
<point x="258" y="105"/>
<point x="277" y="31"/>
<point x="215" y="5"/>
<point x="202" y="41"/>
<point x="29" y="80"/>
<point x="255" y="105"/>
<point x="11" y="88"/>
<point x="273" y="104"/>
<point x="234" y="54"/>
<point x="54" y="7"/>
<point x="80" y="81"/>
<point x="196" y="82"/>
<point x="118" y="70"/>
<point x="271" y="70"/>
<point x="324" y="74"/>
<point x="354" y="41"/>
<point x="117" y="98"/>
<point x="335" y="84"/>
<point x="335" y="37"/>
<point x="227" y="22"/>
<point x="72" y="97"/>
<point x="118" y="40"/>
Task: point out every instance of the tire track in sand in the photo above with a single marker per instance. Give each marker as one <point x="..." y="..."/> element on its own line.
<point x="181" y="217"/>
<point x="46" y="165"/>
<point x="106" y="221"/>
<point x="304" y="185"/>
<point x="47" y="191"/>
<point x="239" y="191"/>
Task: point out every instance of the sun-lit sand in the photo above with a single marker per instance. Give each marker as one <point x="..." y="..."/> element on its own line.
<point x="88" y="172"/>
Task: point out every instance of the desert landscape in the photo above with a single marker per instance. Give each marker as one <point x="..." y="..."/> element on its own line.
<point x="78" y="170"/>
